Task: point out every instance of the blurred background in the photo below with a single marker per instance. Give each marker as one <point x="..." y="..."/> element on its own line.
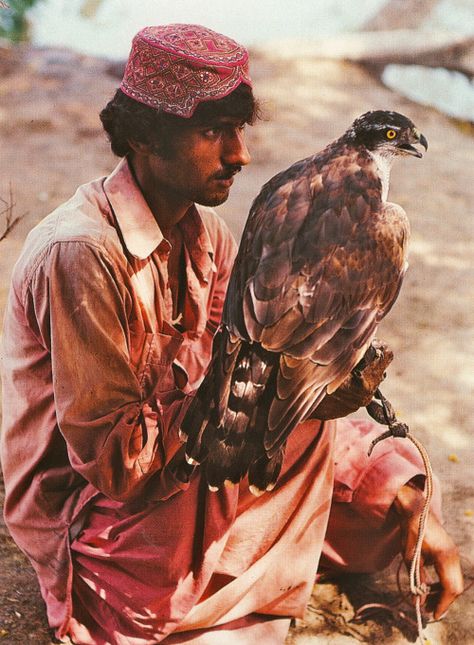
<point x="105" y="28"/>
<point x="316" y="65"/>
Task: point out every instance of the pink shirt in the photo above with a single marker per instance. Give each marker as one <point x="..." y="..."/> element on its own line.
<point x="95" y="381"/>
<point x="90" y="359"/>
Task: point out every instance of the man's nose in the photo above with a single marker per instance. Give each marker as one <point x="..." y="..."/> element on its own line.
<point x="235" y="149"/>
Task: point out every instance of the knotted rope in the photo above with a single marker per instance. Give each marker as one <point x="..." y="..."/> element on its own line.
<point x="384" y="413"/>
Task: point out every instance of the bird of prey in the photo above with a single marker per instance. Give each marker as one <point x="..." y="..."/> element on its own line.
<point x="321" y="262"/>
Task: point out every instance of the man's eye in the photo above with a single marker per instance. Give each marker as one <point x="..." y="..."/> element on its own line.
<point x="212" y="133"/>
<point x="223" y="130"/>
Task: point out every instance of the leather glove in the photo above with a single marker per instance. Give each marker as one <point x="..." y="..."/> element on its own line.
<point x="359" y="387"/>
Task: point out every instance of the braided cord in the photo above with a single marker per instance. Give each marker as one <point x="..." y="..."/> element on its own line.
<point x="417" y="588"/>
<point x="384" y="413"/>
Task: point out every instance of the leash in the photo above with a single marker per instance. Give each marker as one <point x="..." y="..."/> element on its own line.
<point x="384" y="414"/>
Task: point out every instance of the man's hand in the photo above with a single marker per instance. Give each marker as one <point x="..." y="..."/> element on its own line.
<point x="358" y="389"/>
<point x="438" y="549"/>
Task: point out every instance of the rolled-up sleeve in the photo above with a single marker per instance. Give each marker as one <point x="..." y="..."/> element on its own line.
<point x="103" y="395"/>
<point x="370" y="484"/>
<point x="363" y="527"/>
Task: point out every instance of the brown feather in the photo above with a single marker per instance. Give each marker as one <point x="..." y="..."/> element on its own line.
<point x="320" y="263"/>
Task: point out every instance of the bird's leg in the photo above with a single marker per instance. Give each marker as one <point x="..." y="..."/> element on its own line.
<point x="384" y="414"/>
<point x="374" y="351"/>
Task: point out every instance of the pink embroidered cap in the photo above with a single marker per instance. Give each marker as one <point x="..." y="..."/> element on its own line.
<point x="175" y="67"/>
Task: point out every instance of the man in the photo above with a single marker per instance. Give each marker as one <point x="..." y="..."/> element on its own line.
<point x="113" y="305"/>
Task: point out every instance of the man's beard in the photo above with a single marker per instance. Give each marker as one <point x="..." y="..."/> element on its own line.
<point x="219" y="198"/>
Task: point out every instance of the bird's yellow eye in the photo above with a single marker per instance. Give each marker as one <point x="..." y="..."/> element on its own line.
<point x="391" y="134"/>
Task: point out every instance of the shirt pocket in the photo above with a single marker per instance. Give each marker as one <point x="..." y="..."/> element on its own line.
<point x="152" y="355"/>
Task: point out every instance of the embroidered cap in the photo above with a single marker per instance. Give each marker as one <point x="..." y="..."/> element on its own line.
<point x="175" y="67"/>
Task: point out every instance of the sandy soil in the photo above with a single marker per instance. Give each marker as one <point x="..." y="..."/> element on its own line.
<point x="51" y="142"/>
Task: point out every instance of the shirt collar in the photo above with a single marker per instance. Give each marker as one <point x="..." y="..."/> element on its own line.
<point x="198" y="243"/>
<point x="140" y="230"/>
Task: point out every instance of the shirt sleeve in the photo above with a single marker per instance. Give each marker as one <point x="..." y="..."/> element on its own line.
<point x="370" y="484"/>
<point x="104" y="403"/>
<point x="226" y="250"/>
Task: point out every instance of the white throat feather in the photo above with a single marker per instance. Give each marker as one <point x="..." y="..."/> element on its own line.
<point x="384" y="165"/>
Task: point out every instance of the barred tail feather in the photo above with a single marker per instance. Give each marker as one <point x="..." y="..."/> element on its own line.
<point x="264" y="472"/>
<point x="225" y="424"/>
<point x="227" y="462"/>
<point x="197" y="445"/>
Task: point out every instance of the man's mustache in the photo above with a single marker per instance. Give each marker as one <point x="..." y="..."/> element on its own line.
<point x="228" y="172"/>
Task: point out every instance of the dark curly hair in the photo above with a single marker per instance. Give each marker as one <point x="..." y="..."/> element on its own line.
<point x="125" y="119"/>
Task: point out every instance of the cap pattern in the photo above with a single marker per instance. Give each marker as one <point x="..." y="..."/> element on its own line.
<point x="175" y="67"/>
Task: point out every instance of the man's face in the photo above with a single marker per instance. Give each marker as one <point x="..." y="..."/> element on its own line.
<point x="202" y="162"/>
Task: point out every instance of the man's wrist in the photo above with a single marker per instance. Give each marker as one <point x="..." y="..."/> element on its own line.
<point x="409" y="500"/>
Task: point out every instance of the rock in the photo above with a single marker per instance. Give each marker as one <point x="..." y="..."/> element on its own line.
<point x="401" y="14"/>
<point x="402" y="46"/>
<point x="449" y="91"/>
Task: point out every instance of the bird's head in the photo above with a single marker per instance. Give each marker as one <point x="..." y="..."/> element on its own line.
<point x="387" y="133"/>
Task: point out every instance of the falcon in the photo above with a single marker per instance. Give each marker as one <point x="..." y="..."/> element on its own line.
<point x="321" y="262"/>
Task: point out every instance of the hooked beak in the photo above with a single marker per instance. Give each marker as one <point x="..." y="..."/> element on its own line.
<point x="410" y="149"/>
<point x="423" y="142"/>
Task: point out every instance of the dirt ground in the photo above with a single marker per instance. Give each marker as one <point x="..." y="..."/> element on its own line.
<point x="51" y="142"/>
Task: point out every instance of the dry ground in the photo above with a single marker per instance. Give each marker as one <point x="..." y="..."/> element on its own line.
<point x="51" y="142"/>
